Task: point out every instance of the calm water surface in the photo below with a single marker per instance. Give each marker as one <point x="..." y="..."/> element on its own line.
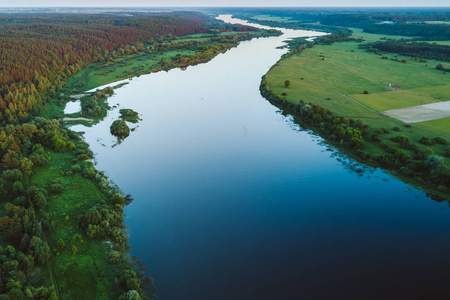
<point x="232" y="200"/>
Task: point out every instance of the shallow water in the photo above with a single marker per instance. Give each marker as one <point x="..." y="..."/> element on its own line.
<point x="72" y="107"/>
<point x="232" y="200"/>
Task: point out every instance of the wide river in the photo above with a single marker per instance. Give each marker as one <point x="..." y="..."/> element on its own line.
<point x="232" y="200"/>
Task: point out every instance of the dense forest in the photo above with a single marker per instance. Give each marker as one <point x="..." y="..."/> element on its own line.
<point x="37" y="55"/>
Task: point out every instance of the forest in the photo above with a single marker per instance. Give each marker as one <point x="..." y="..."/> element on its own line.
<point x="421" y="50"/>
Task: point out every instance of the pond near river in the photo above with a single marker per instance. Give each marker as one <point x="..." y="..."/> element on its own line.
<point x="232" y="200"/>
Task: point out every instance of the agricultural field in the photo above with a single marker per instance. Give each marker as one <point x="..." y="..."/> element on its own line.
<point x="361" y="85"/>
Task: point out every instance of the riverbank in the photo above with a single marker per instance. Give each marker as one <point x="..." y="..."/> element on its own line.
<point x="340" y="89"/>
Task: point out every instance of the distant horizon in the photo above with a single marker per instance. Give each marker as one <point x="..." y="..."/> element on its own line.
<point x="222" y="4"/>
<point x="175" y="6"/>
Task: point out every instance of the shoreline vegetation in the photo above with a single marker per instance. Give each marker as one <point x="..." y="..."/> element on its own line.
<point x="62" y="226"/>
<point x="334" y="86"/>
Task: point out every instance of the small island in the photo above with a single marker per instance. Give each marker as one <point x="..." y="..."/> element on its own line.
<point x="129" y="115"/>
<point x="120" y="129"/>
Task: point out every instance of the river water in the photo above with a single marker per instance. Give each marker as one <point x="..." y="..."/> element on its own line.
<point x="232" y="200"/>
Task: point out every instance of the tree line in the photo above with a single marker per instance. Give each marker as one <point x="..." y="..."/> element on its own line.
<point x="421" y="50"/>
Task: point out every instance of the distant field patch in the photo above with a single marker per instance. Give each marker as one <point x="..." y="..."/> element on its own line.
<point x="442" y="125"/>
<point x="437" y="22"/>
<point x="396" y="99"/>
<point x="421" y="113"/>
<point x="272" y="18"/>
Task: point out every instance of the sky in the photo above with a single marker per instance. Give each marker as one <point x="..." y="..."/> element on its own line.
<point x="219" y="3"/>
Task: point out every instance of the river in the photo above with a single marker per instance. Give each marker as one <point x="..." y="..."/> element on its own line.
<point x="232" y="200"/>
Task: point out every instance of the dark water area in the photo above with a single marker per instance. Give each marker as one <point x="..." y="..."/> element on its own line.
<point x="232" y="200"/>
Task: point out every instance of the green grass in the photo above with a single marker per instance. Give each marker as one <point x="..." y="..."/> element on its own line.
<point x="120" y="69"/>
<point x="447" y="43"/>
<point x="87" y="274"/>
<point x="372" y="37"/>
<point x="338" y="82"/>
<point x="395" y="99"/>
<point x="442" y="125"/>
<point x="437" y="22"/>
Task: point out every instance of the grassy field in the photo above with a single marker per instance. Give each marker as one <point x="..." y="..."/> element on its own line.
<point x="447" y="43"/>
<point x="106" y="72"/>
<point x="336" y="77"/>
<point x="442" y="125"/>
<point x="86" y="274"/>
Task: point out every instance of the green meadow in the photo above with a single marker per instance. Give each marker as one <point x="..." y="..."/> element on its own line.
<point x="354" y="83"/>
<point x="83" y="273"/>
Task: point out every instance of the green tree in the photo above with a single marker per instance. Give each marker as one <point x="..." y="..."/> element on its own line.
<point x="61" y="245"/>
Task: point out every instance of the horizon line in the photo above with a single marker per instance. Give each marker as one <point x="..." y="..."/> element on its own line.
<point x="282" y="6"/>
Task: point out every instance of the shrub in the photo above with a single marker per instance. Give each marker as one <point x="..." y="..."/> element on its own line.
<point x="90" y="173"/>
<point x="440" y="141"/>
<point x="83" y="157"/>
<point x="75" y="168"/>
<point x="403" y="140"/>
<point x="375" y="138"/>
<point x="56" y="188"/>
<point x="360" y="123"/>
<point x="120" y="129"/>
<point x="426" y="141"/>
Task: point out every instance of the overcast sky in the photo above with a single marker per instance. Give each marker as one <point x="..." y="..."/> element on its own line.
<point x="194" y="3"/>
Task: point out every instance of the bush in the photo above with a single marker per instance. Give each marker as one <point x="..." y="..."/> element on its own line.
<point x="90" y="173"/>
<point x="360" y="123"/>
<point x="396" y="128"/>
<point x="75" y="168"/>
<point x="120" y="129"/>
<point x="426" y="141"/>
<point x="375" y="138"/>
<point x="56" y="188"/>
<point x="403" y="140"/>
<point x="440" y="141"/>
<point x="83" y="157"/>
